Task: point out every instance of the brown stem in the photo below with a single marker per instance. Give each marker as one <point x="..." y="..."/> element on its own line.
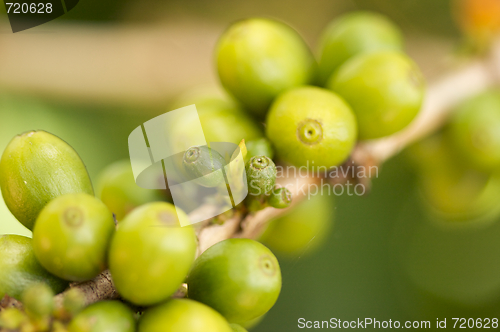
<point x="9" y="302"/>
<point x="97" y="289"/>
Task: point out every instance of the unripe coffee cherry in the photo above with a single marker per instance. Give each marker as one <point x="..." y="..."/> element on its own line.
<point x="312" y="127"/>
<point x="20" y="269"/>
<point x="204" y="166"/>
<point x="38" y="300"/>
<point x="104" y="316"/>
<point x="292" y="234"/>
<point x="474" y="132"/>
<point x="352" y="34"/>
<point x="72" y="235"/>
<point x="240" y="278"/>
<point x="259" y="147"/>
<point x="384" y="89"/>
<point x="259" y="58"/>
<point x="12" y="319"/>
<point x="117" y="189"/>
<point x="221" y="117"/>
<point x="37" y="167"/>
<point x="280" y="198"/>
<point x="73" y="301"/>
<point x="261" y="175"/>
<point x="151" y="254"/>
<point x="183" y="315"/>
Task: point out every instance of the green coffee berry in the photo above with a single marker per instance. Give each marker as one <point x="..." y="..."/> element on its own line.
<point x="451" y="190"/>
<point x="150" y="254"/>
<point x="259" y="58"/>
<point x="35" y="168"/>
<point x="280" y="198"/>
<point x="303" y="228"/>
<point x="117" y="189"/>
<point x="237" y="328"/>
<point x="72" y="235"/>
<point x="204" y="166"/>
<point x="20" y="269"/>
<point x="261" y="175"/>
<point x="259" y="147"/>
<point x="104" y="316"/>
<point x="474" y="131"/>
<point x="12" y="319"/>
<point x="352" y="34"/>
<point x="182" y="315"/>
<point x="240" y="278"/>
<point x="312" y="127"/>
<point x="221" y="118"/>
<point x="384" y="89"/>
<point x="73" y="301"/>
<point x="38" y="300"/>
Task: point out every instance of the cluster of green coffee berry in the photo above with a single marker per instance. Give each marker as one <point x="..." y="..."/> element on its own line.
<point x="459" y="166"/>
<point x="40" y="312"/>
<point x="362" y="87"/>
<point x="46" y="186"/>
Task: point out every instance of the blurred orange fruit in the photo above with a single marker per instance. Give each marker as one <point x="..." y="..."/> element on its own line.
<point x="479" y="19"/>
